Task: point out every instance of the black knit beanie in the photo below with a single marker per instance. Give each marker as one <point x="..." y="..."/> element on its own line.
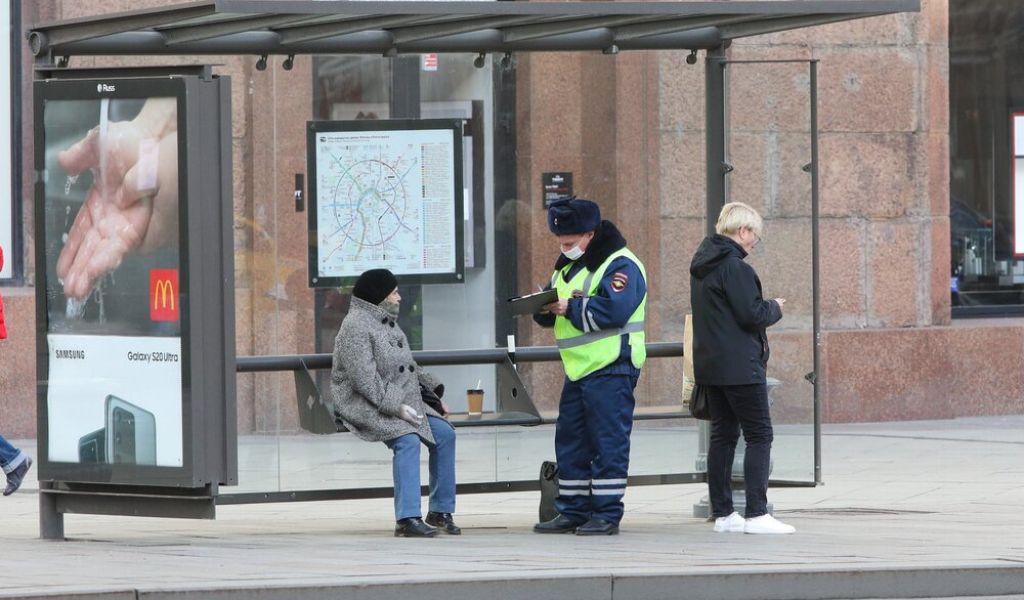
<point x="375" y="285"/>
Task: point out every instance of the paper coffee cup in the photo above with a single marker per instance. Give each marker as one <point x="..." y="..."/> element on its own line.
<point x="475" y="401"/>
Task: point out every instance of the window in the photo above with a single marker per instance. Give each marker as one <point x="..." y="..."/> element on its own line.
<point x="986" y="82"/>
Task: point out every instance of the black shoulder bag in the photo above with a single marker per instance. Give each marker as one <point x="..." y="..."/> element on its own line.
<point x="431" y="399"/>
<point x="698" y="403"/>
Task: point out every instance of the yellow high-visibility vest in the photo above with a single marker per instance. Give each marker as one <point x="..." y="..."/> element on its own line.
<point x="586" y="351"/>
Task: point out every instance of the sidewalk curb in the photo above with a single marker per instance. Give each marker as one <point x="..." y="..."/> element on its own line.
<point x="811" y="584"/>
<point x="793" y="584"/>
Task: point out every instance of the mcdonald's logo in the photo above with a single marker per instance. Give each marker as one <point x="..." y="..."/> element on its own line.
<point x="163" y="294"/>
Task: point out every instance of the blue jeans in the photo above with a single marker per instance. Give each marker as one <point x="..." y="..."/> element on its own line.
<point x="734" y="407"/>
<point x="10" y="457"/>
<point x="405" y="469"/>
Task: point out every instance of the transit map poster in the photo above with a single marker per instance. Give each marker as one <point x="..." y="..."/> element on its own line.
<point x="386" y="194"/>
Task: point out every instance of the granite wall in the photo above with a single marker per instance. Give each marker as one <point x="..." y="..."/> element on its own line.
<point x="631" y="129"/>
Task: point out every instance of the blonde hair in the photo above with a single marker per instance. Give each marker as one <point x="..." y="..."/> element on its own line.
<point x="736" y="216"/>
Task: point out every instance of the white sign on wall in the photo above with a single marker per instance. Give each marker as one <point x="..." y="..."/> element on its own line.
<point x="1017" y="175"/>
<point x="6" y="165"/>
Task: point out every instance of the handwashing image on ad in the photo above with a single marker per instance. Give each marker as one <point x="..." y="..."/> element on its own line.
<point x="111" y="216"/>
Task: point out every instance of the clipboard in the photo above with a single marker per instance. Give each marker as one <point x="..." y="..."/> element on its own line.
<point x="532" y="303"/>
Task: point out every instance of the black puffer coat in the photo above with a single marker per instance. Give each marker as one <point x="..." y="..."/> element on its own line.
<point x="730" y="346"/>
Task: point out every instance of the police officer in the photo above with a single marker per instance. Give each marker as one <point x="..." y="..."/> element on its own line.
<point x="598" y="321"/>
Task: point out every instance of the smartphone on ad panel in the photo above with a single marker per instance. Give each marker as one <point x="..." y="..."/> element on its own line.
<point x="131" y="433"/>
<point x="92" y="447"/>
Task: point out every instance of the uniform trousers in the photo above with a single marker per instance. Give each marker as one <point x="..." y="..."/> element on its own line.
<point x="595" y="418"/>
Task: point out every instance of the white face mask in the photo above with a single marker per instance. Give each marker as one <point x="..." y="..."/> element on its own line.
<point x="573" y="253"/>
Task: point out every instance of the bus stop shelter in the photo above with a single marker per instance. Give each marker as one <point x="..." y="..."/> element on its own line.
<point x="261" y="28"/>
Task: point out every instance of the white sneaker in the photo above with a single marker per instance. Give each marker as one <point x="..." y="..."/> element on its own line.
<point x="732" y="524"/>
<point x="767" y="524"/>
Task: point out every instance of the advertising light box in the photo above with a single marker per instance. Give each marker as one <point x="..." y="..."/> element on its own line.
<point x="130" y="198"/>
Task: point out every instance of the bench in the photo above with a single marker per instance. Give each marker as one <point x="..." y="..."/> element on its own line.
<point x="515" y="406"/>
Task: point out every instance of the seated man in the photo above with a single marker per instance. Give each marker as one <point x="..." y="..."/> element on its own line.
<point x="377" y="395"/>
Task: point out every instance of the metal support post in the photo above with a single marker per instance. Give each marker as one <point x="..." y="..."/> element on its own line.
<point x="51" y="522"/>
<point x="716" y="166"/>
<point x="815" y="266"/>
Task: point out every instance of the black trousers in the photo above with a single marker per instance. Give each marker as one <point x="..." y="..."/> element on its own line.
<point x="735" y="407"/>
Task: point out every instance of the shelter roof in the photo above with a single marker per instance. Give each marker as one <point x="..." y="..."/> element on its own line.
<point x="415" y="26"/>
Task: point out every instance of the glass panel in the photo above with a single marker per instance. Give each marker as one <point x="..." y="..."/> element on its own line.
<point x="283" y="316"/>
<point x="275" y="309"/>
<point x="282" y="456"/>
<point x="457" y="89"/>
<point x="986" y="60"/>
<point x="768" y="142"/>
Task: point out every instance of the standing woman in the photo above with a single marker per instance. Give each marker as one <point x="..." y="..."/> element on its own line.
<point x="377" y="395"/>
<point x="730" y="357"/>
<point x="14" y="462"/>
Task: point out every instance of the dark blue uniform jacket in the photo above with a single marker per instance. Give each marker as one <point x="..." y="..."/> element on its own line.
<point x="618" y="295"/>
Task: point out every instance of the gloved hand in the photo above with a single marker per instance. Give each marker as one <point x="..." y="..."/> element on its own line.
<point x="409" y="414"/>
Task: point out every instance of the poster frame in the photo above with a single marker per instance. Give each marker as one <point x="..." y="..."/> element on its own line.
<point x="455" y="127"/>
<point x="209" y="429"/>
<point x="14" y="256"/>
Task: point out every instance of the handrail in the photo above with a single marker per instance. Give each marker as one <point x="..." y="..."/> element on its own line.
<point x="477" y="356"/>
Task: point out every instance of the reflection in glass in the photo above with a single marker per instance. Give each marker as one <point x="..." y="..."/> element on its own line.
<point x="986" y="68"/>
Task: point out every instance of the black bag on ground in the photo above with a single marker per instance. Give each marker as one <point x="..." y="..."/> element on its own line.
<point x="698" y="403"/>
<point x="548" y="490"/>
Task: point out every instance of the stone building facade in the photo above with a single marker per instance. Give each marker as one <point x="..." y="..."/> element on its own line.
<point x="631" y="129"/>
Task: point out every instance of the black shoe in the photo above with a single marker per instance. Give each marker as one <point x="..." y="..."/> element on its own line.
<point x="598" y="527"/>
<point x="15" y="477"/>
<point x="560" y="524"/>
<point x="413" y="527"/>
<point x="444" y="522"/>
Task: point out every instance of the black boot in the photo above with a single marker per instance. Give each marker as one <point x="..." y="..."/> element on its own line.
<point x="413" y="527"/>
<point x="444" y="522"/>
<point x="15" y="477"/>
<point x="597" y="526"/>
<point x="560" y="524"/>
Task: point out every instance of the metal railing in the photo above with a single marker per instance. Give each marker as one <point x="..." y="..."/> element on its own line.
<point x="427" y="358"/>
<point x="481" y="356"/>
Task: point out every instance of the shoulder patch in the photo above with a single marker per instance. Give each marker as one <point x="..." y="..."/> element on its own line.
<point x="619" y="281"/>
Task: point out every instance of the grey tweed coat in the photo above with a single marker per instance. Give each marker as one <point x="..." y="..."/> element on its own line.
<point x="373" y="374"/>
